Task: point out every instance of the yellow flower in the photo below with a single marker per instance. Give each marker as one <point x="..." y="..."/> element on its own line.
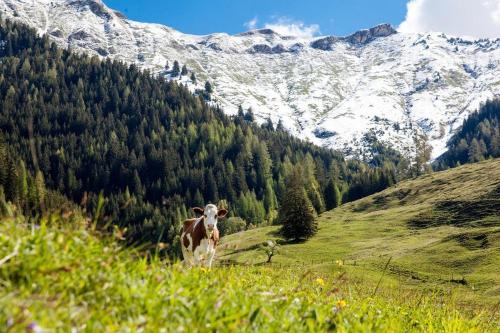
<point x="204" y="270"/>
<point x="162" y="246"/>
<point x="320" y="281"/>
<point x="341" y="304"/>
<point x="339" y="263"/>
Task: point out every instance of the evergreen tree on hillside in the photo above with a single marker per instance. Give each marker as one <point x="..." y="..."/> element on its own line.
<point x="333" y="198"/>
<point x="423" y="154"/>
<point x="184" y="70"/>
<point x="241" y="112"/>
<point x="296" y="213"/>
<point x="249" y="116"/>
<point x="193" y="78"/>
<point x="175" y="69"/>
<point x="208" y="88"/>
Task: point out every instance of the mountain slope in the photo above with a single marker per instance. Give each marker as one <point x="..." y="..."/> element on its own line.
<point x="440" y="230"/>
<point x="330" y="90"/>
<point x="85" y="126"/>
<point x="477" y="139"/>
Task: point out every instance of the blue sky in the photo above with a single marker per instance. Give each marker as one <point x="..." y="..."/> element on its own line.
<point x="325" y="17"/>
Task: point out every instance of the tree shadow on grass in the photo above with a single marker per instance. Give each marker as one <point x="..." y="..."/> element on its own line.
<point x="244" y="249"/>
<point x="274" y="233"/>
<point x="281" y="241"/>
<point x="291" y="241"/>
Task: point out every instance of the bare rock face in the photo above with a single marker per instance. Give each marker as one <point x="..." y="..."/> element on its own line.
<point x="259" y="31"/>
<point x="266" y="49"/>
<point x="358" y="38"/>
<point x="366" y="36"/>
<point x="326" y="43"/>
<point x="330" y="90"/>
<point x="95" y="6"/>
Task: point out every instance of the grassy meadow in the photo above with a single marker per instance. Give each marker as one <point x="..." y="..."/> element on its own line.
<point x="441" y="232"/>
<point x="387" y="263"/>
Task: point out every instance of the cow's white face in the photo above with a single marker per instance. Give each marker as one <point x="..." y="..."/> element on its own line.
<point x="210" y="215"/>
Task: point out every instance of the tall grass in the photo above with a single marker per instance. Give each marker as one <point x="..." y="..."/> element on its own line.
<point x="65" y="278"/>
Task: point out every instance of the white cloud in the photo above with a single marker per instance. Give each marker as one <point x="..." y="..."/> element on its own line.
<point x="285" y="26"/>
<point x="252" y="24"/>
<point x="472" y="18"/>
<point x="288" y="27"/>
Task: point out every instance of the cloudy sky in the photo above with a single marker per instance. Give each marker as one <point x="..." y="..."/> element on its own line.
<point x="470" y="18"/>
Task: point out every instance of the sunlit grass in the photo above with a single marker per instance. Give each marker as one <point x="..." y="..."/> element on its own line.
<point x="63" y="278"/>
<point x="366" y="233"/>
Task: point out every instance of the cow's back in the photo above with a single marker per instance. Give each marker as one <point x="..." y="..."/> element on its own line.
<point x="188" y="224"/>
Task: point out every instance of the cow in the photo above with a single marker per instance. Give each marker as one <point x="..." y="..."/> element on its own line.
<point x="199" y="236"/>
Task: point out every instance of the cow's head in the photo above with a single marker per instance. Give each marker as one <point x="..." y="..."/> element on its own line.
<point x="210" y="215"/>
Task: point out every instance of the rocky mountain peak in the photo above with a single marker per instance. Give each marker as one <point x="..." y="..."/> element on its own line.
<point x="368" y="35"/>
<point x="360" y="37"/>
<point x="264" y="32"/>
<point x="330" y="90"/>
<point x="95" y="6"/>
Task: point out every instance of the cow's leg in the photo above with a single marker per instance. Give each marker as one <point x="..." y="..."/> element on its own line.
<point x="188" y="259"/>
<point x="186" y="256"/>
<point x="196" y="259"/>
<point x="188" y="262"/>
<point x="210" y="257"/>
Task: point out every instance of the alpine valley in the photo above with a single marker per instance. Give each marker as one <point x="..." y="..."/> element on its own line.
<point x="329" y="90"/>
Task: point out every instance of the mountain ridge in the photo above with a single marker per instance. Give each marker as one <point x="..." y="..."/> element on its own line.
<point x="327" y="89"/>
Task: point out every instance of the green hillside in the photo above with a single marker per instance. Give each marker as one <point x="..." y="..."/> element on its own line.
<point x="441" y="230"/>
<point x="61" y="275"/>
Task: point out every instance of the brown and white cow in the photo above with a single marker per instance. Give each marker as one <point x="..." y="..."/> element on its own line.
<point x="199" y="236"/>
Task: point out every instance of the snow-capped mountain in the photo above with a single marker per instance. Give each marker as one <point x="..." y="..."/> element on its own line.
<point x="330" y="90"/>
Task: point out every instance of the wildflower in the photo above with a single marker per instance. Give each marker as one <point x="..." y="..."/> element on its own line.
<point x="162" y="246"/>
<point x="339" y="263"/>
<point x="34" y="328"/>
<point x="320" y="281"/>
<point x="204" y="270"/>
<point x="120" y="233"/>
<point x="341" y="304"/>
<point x="60" y="239"/>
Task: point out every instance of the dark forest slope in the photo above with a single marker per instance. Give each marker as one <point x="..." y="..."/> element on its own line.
<point x="153" y="148"/>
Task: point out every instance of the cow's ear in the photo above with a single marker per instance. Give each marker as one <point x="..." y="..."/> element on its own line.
<point x="222" y="213"/>
<point x="198" y="210"/>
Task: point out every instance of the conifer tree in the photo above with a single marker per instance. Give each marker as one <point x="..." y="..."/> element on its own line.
<point x="249" y="116"/>
<point x="184" y="70"/>
<point x="40" y="189"/>
<point x="333" y="197"/>
<point x="175" y="69"/>
<point x="474" y="152"/>
<point x="208" y="88"/>
<point x="296" y="213"/>
<point x="5" y="210"/>
<point x="23" y="185"/>
<point x="241" y="113"/>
